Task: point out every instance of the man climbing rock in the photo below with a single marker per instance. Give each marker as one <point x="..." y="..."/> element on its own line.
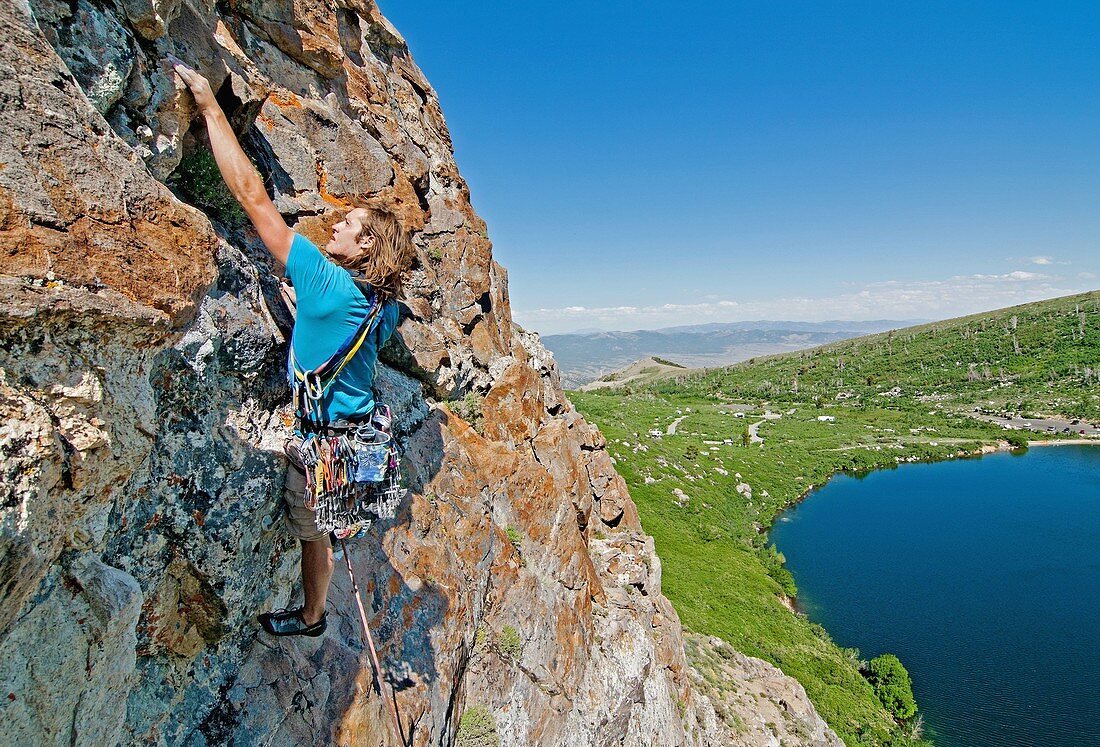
<point x="346" y="309"/>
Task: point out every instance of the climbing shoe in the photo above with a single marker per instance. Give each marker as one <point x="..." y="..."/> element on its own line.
<point x="291" y="622"/>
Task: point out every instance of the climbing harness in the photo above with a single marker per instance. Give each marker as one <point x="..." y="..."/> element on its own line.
<point x="352" y="468"/>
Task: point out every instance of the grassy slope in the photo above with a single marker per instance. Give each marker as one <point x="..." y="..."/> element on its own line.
<point x="1040" y="357"/>
<point x="717" y="572"/>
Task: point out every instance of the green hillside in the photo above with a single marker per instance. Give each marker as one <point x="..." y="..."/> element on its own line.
<point x="1041" y="357"/>
<point x="709" y="491"/>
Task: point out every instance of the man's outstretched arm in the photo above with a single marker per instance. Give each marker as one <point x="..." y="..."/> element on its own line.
<point x="238" y="172"/>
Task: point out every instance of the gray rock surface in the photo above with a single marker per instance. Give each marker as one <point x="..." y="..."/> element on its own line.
<point x="86" y="614"/>
<point x="755" y="703"/>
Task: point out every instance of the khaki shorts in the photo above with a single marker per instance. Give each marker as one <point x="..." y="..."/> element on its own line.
<point x="300" y="520"/>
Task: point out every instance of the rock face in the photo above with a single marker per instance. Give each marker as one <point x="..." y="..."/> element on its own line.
<point x="756" y="703"/>
<point x="514" y="599"/>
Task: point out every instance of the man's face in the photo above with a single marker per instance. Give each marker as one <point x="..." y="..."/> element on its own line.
<point x="345" y="243"/>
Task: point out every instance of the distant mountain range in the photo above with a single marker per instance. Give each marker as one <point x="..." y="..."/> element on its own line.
<point x="585" y="357"/>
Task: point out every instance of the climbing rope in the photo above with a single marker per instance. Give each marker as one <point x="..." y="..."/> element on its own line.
<point x="377" y="667"/>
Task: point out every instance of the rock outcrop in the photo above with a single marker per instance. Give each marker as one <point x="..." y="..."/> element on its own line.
<point x="756" y="703"/>
<point x="144" y="409"/>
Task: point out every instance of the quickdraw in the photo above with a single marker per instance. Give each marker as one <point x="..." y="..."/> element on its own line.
<point x="353" y="476"/>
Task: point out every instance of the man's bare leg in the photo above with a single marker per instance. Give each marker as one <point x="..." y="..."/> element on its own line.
<point x="317" y="565"/>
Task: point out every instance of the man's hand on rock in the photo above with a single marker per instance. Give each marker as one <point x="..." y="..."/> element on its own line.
<point x="199" y="86"/>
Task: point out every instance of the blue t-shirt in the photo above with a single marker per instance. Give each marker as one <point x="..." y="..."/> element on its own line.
<point x="330" y="309"/>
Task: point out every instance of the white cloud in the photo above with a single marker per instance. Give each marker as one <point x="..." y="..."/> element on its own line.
<point x="1043" y="260"/>
<point x="891" y="299"/>
<point x="1086" y="276"/>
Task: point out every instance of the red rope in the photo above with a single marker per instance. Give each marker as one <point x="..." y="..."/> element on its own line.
<point x="392" y="701"/>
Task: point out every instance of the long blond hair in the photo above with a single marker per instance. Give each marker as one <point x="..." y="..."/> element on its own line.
<point x="383" y="267"/>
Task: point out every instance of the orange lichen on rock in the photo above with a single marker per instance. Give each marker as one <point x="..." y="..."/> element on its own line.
<point x="322" y="187"/>
<point x="284" y="99"/>
<point x="513" y="408"/>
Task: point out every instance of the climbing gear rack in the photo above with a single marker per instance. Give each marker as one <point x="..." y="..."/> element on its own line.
<point x="353" y="476"/>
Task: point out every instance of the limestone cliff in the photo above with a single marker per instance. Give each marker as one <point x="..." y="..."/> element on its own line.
<point x="144" y="407"/>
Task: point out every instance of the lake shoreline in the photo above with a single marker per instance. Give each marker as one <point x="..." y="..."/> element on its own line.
<point x="937" y="486"/>
<point x="1066" y="442"/>
<point x="793" y="604"/>
<point x="1000" y="446"/>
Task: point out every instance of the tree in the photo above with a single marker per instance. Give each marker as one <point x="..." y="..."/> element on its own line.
<point x="892" y="686"/>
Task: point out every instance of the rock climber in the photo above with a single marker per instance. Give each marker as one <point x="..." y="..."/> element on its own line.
<point x="359" y="272"/>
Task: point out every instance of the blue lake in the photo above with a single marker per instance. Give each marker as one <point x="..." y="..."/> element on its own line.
<point x="982" y="575"/>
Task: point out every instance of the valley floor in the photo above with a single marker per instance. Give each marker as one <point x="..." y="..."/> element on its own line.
<point x="708" y="490"/>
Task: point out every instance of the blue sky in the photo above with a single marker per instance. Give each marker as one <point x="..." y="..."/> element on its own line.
<point x="651" y="164"/>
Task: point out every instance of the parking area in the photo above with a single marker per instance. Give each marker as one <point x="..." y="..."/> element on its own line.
<point x="1044" y="425"/>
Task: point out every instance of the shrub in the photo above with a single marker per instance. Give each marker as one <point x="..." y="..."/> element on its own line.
<point x="508" y="643"/>
<point x="515" y="536"/>
<point x="708" y="532"/>
<point x="892" y="686"/>
<point x="477" y="728"/>
<point x="469" y="409"/>
<point x="775" y="564"/>
<point x="200" y="183"/>
<point x="1017" y="440"/>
